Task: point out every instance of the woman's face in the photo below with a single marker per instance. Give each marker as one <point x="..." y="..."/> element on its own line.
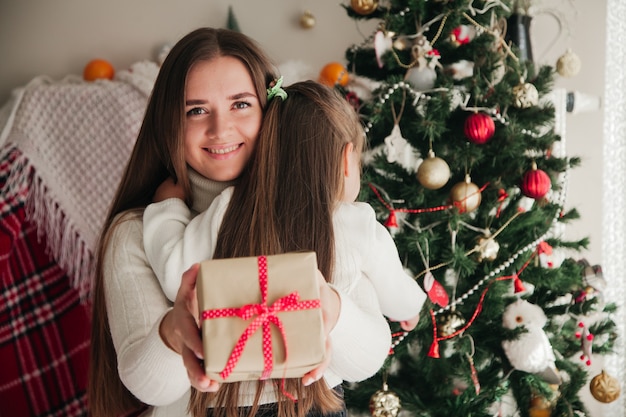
<point x="223" y="117"/>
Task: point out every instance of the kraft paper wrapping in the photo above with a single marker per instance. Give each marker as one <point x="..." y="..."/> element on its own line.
<point x="234" y="283"/>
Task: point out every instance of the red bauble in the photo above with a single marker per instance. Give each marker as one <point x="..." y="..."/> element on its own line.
<point x="536" y="183"/>
<point x="479" y="128"/>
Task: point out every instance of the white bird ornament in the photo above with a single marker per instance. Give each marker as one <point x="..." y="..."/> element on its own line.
<point x="531" y="352"/>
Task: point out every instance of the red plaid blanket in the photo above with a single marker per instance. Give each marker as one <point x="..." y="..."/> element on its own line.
<point x="44" y="328"/>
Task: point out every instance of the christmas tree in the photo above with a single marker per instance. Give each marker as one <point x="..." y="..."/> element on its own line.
<point x="465" y="169"/>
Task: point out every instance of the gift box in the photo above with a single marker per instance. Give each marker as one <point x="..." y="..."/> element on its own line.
<point x="261" y="317"/>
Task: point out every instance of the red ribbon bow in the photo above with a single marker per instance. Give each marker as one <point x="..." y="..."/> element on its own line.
<point x="264" y="315"/>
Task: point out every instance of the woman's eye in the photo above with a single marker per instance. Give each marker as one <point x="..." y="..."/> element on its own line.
<point x="195" y="111"/>
<point x="241" y="105"/>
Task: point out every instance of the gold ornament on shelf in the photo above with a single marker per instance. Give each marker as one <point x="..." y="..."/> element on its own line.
<point x="526" y="95"/>
<point x="568" y="64"/>
<point x="384" y="403"/>
<point x="364" y="7"/>
<point x="433" y="173"/>
<point x="307" y="20"/>
<point x="604" y="387"/>
<point x="466" y="195"/>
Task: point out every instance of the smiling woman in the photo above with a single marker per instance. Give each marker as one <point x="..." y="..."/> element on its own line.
<point x="199" y="129"/>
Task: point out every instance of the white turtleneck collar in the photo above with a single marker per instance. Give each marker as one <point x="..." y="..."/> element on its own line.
<point x="205" y="190"/>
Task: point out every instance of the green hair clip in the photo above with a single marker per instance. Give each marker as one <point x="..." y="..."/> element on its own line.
<point x="276" y="90"/>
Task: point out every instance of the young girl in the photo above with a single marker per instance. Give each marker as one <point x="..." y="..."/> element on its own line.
<point x="200" y="127"/>
<point x="297" y="193"/>
<point x="297" y="141"/>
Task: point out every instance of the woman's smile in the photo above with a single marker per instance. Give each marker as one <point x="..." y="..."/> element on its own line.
<point x="223" y="151"/>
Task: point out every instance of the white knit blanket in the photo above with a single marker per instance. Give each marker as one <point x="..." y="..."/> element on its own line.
<point x="75" y="139"/>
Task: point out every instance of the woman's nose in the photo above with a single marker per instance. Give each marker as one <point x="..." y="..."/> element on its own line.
<point x="217" y="124"/>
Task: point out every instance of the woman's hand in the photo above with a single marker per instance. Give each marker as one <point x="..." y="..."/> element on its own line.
<point x="168" y="189"/>
<point x="180" y="331"/>
<point x="331" y="306"/>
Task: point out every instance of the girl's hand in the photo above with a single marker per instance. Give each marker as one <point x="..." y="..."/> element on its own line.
<point x="180" y="331"/>
<point x="168" y="189"/>
<point x="331" y="306"/>
<point x="408" y="325"/>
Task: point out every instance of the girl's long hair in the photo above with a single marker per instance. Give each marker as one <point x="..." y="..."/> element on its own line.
<point x="158" y="154"/>
<point x="287" y="195"/>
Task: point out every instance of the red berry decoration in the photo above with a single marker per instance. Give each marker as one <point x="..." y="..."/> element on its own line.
<point x="536" y="183"/>
<point x="479" y="128"/>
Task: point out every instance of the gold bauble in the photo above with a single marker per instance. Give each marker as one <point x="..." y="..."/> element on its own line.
<point x="540" y="409"/>
<point x="604" y="387"/>
<point x="364" y="7"/>
<point x="433" y="173"/>
<point x="384" y="403"/>
<point x="539" y="412"/>
<point x="466" y="195"/>
<point x="541" y="406"/>
<point x="307" y="20"/>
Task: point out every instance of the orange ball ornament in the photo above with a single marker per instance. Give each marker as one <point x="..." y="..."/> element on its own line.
<point x="334" y="73"/>
<point x="98" y="69"/>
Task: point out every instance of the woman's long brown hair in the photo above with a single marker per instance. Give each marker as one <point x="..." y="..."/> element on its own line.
<point x="287" y="196"/>
<point x="158" y="153"/>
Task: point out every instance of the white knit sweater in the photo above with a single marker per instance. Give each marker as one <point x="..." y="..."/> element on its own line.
<point x="155" y="374"/>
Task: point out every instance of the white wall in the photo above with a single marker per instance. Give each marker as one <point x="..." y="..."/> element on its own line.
<point x="60" y="36"/>
<point x="583" y="32"/>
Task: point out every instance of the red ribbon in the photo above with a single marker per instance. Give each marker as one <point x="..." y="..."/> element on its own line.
<point x="433" y="352"/>
<point x="459" y="204"/>
<point x="502" y="196"/>
<point x="264" y="315"/>
<point x="391" y="221"/>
